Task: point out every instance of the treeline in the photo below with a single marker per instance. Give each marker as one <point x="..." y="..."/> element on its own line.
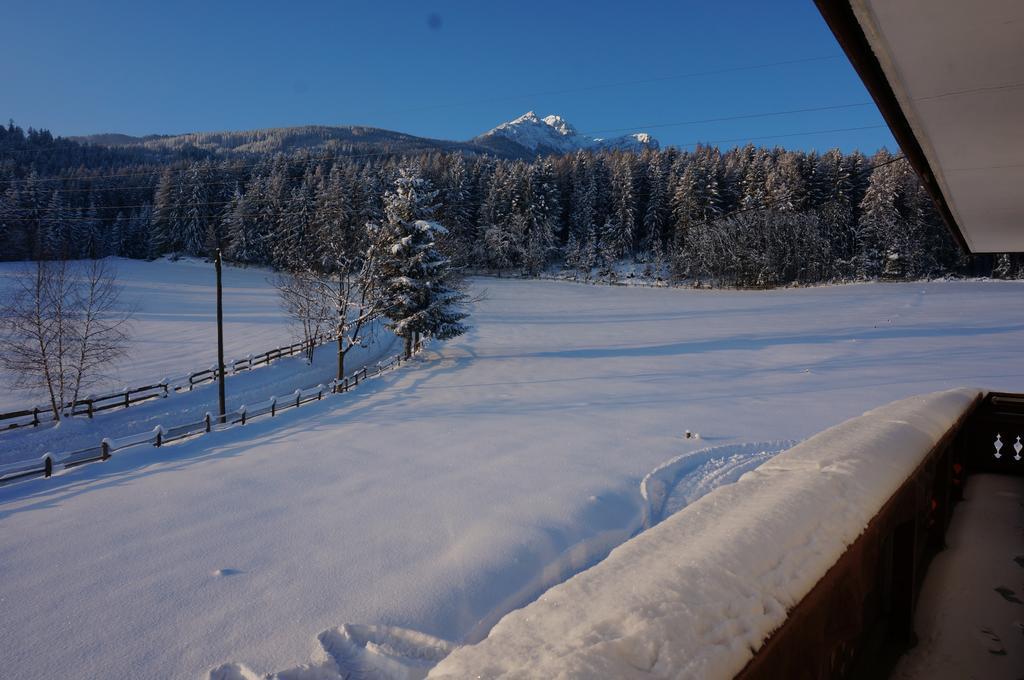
<point x="749" y="216"/>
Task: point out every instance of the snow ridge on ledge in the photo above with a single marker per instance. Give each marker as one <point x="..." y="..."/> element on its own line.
<point x="698" y="594"/>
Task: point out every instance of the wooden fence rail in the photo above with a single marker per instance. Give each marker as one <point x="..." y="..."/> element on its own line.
<point x="52" y="462"/>
<point x="91" y="405"/>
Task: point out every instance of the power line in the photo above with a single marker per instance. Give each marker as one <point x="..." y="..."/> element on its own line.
<point x="342" y="210"/>
<point x="265" y="160"/>
<point x="321" y="210"/>
<point x="311" y="159"/>
<point x="742" y="116"/>
<point x="697" y="143"/>
<point x="587" y="88"/>
<point x="790" y="134"/>
<point x="748" y="67"/>
<point x="614" y="84"/>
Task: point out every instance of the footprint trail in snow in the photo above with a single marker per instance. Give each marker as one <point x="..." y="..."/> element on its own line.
<point x="367" y="652"/>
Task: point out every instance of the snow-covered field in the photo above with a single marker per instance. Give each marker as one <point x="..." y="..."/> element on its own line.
<point x="443" y="495"/>
<point x="174" y="329"/>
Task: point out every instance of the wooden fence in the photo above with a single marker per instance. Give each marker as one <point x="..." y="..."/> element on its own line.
<point x="160" y="435"/>
<point x="91" y="405"/>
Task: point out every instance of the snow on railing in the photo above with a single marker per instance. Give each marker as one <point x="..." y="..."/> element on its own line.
<point x="160" y="435"/>
<point x="91" y="405"/>
<point x="701" y="593"/>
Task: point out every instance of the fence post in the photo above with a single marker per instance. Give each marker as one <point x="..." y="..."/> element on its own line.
<point x="241" y="412"/>
<point x="105" y="449"/>
<point x="126" y="400"/>
<point x="250" y="362"/>
<point x="273" y="406"/>
<point x="158" y="431"/>
<point x="344" y="387"/>
<point x="88" y="403"/>
<point x="320" y="392"/>
<point x="166" y="393"/>
<point x="298" y="397"/>
<point x="47" y="464"/>
<point x="207" y="419"/>
<point x="35" y="416"/>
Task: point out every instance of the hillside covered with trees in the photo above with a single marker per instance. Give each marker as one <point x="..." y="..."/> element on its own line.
<point x="748" y="216"/>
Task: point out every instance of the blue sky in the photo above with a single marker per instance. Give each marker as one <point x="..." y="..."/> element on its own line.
<point x="441" y="69"/>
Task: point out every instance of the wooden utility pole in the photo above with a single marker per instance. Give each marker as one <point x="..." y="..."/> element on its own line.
<point x="220" y="342"/>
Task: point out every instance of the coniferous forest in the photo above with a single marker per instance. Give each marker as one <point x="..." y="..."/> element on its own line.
<point x="747" y="217"/>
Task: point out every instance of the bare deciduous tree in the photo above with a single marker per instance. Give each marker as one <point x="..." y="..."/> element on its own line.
<point x="63" y="325"/>
<point x="335" y="291"/>
<point x="302" y="300"/>
<point x="356" y="301"/>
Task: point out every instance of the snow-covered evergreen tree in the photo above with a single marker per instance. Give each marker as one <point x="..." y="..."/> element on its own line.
<point x="583" y="199"/>
<point x="589" y="254"/>
<point x="655" y="212"/>
<point x="56" y="231"/>
<point x="609" y="247"/>
<point x="456" y="210"/>
<point x="194" y="209"/>
<point x="166" y="214"/>
<point x="657" y="259"/>
<point x="573" y="254"/>
<point x="415" y="279"/>
<point x="294" y="246"/>
<point x="86" y="241"/>
<point x="498" y="248"/>
<point x="543" y="211"/>
<point x="879" y="219"/>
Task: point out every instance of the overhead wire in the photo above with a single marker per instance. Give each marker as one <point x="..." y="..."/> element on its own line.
<point x="746" y="67"/>
<point x="328" y="157"/>
<point x="79" y="218"/>
<point x="697" y="143"/>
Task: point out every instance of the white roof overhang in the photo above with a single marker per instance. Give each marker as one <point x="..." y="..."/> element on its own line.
<point x="955" y="74"/>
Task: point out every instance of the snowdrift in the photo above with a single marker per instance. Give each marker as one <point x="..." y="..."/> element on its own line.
<point x="698" y="594"/>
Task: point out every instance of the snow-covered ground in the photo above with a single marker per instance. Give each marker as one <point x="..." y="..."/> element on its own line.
<point x="174" y="328"/>
<point x="443" y="495"/>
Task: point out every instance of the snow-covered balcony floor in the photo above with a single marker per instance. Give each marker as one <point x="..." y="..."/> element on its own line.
<point x="970" y="616"/>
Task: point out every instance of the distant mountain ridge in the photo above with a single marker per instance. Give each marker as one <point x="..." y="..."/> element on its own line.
<point x="554" y="134"/>
<point x="524" y="137"/>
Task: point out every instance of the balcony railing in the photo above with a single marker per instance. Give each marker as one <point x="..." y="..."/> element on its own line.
<point x="858" y="619"/>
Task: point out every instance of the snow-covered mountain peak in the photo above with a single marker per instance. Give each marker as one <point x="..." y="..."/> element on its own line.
<point x="560" y="125"/>
<point x="528" y="117"/>
<point x="553" y="133"/>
